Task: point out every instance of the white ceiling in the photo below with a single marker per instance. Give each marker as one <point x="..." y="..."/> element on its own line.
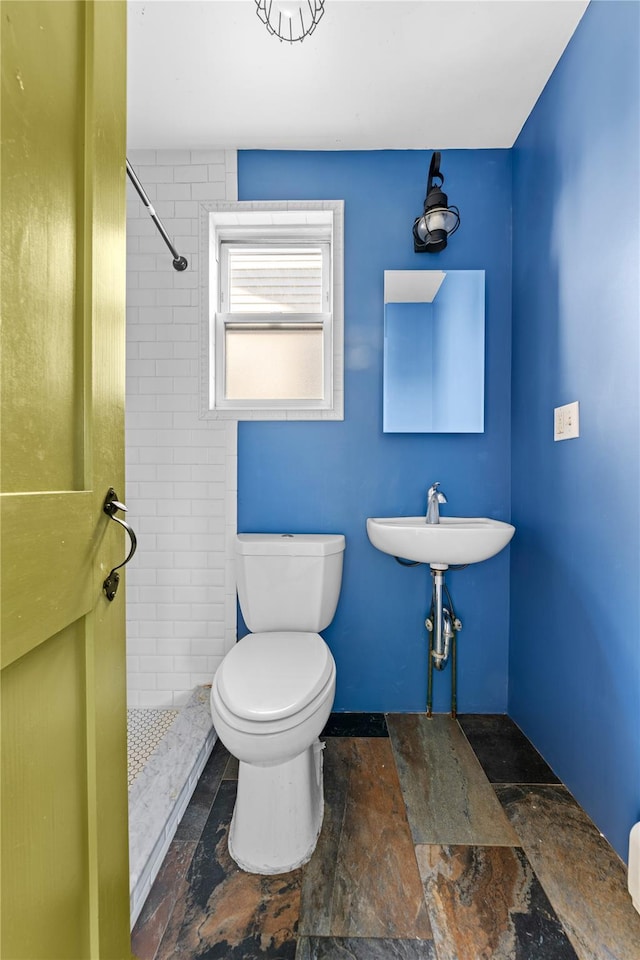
<point x="376" y="74"/>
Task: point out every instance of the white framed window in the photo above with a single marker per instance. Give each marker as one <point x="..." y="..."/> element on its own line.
<point x="273" y="319"/>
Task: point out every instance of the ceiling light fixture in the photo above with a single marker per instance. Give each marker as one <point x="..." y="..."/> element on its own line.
<point x="439" y="220"/>
<point x="288" y="19"/>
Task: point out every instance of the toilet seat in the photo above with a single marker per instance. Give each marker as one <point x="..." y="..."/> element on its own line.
<point x="270" y="676"/>
<point x="270" y="682"/>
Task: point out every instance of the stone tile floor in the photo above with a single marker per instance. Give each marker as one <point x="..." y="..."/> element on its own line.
<point x="442" y="840"/>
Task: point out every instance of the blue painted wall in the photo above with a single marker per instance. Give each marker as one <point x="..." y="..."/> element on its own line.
<point x="575" y="627"/>
<point x="329" y="477"/>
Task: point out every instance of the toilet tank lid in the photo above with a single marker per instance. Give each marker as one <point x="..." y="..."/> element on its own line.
<point x="289" y="544"/>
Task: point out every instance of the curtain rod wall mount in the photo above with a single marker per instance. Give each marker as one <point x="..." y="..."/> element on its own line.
<point x="179" y="263"/>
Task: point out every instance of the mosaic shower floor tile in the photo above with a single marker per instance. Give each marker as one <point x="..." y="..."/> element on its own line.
<point x="145" y="730"/>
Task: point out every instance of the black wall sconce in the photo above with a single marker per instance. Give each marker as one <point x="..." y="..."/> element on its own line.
<point x="439" y="220"/>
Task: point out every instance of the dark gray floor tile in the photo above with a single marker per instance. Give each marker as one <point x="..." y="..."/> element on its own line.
<point x="506" y="755"/>
<point x="195" y="816"/>
<point x="448" y="797"/>
<point x="486" y="903"/>
<point x="360" y="948"/>
<point x="582" y="875"/>
<point x="231" y="769"/>
<point x="355" y="725"/>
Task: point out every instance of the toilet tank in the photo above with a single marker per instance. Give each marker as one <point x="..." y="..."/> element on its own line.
<point x="288" y="581"/>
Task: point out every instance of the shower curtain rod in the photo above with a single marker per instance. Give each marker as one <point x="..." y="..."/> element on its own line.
<point x="179" y="263"/>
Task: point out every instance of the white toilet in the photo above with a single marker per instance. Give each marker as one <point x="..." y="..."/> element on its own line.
<point x="273" y="693"/>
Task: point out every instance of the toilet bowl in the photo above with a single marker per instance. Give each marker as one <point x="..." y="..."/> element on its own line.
<point x="279" y="805"/>
<point x="273" y="694"/>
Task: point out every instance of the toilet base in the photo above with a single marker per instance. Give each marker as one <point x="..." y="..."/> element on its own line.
<point x="278" y="813"/>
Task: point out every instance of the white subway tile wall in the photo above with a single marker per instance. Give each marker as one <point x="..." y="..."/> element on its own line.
<point x="181" y="488"/>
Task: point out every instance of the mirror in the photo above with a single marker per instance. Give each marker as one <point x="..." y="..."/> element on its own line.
<point x="433" y="380"/>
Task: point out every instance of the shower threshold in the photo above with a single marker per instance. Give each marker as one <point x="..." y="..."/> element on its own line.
<point x="162" y="788"/>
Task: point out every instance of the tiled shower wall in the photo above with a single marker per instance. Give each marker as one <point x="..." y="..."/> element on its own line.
<point x="181" y="471"/>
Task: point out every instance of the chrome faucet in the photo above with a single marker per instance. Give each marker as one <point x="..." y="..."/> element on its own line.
<point x="434" y="498"/>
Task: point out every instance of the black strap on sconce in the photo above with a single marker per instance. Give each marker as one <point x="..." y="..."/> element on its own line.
<point x="438" y="220"/>
<point x="179" y="263"/>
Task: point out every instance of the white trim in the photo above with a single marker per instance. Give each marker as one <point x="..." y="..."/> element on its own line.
<point x="226" y="220"/>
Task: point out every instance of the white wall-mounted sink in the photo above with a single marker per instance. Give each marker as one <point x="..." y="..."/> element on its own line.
<point x="453" y="541"/>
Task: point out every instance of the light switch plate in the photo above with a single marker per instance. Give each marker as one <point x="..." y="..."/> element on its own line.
<point x="566" y="421"/>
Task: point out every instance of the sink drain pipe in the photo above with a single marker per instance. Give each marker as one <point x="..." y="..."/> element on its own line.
<point x="443" y="626"/>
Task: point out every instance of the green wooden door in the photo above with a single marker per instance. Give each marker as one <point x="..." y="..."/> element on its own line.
<point x="64" y="785"/>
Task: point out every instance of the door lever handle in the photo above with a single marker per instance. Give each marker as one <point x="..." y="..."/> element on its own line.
<point x="111" y="506"/>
